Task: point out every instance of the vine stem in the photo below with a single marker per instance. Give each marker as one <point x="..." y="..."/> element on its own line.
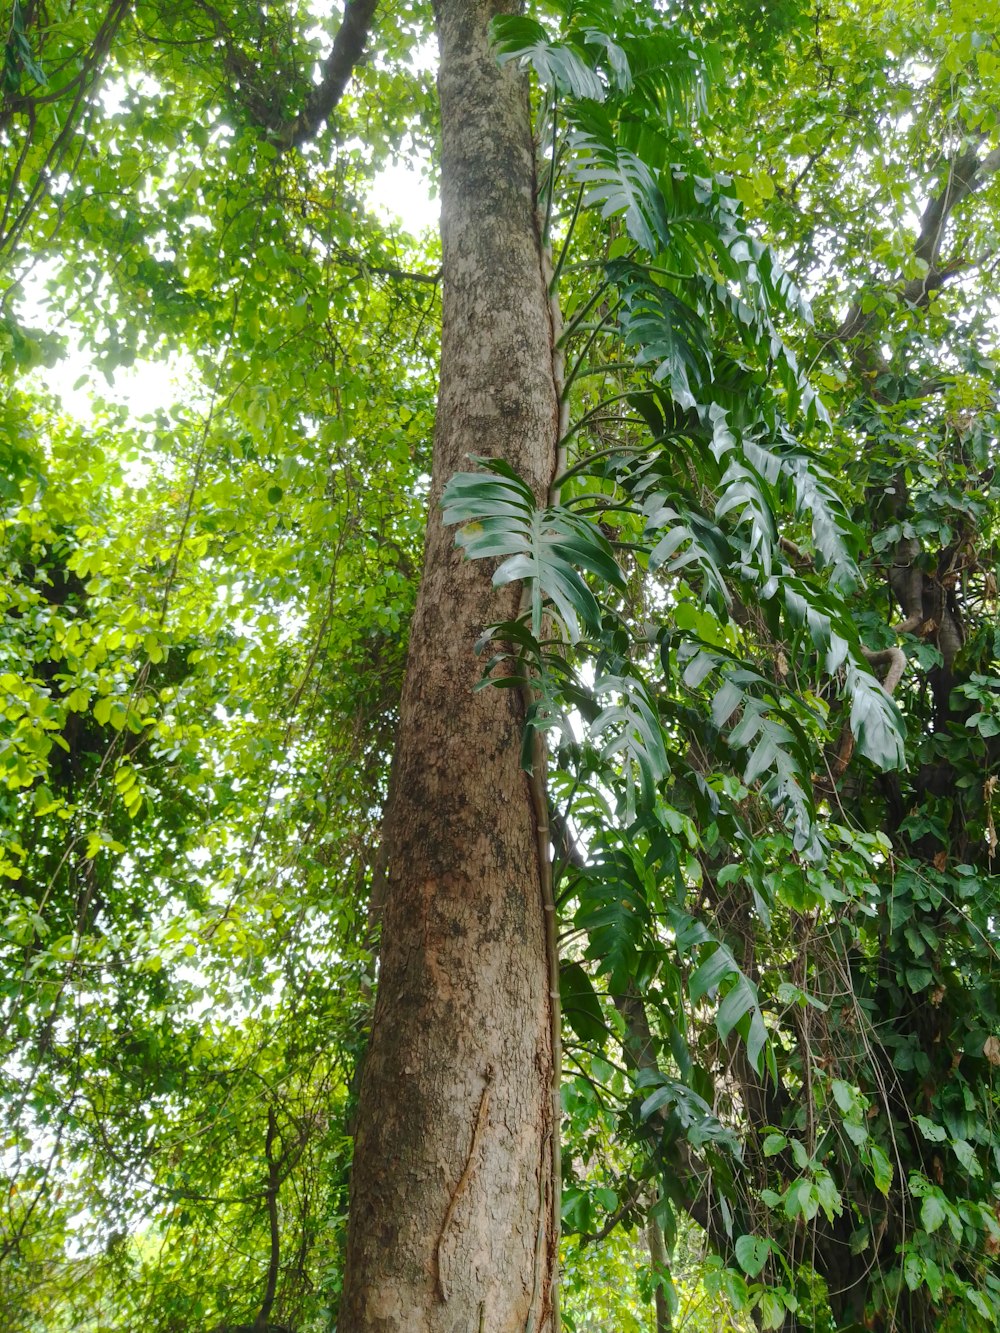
<point x="540" y="803"/>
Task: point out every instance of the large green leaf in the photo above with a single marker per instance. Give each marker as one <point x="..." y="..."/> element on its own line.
<point x="580" y="1005"/>
<point x="875" y="720"/>
<point x="617" y="182"/>
<point x="556" y="64"/>
<point x="545" y="547"/>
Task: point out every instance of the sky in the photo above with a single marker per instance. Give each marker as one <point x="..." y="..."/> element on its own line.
<point x="400" y="194"/>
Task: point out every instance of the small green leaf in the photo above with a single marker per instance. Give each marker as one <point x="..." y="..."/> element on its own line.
<point x="843" y="1094"/>
<point x="772" y="1310"/>
<point x="882" y="1172"/>
<point x="739" y="1001"/>
<point x="935" y="1133"/>
<point x="966" y="1154"/>
<point x="711" y="971"/>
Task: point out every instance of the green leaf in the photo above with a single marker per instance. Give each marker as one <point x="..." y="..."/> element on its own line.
<point x="772" y="1310"/>
<point x="580" y="1005"/>
<point x="545" y="547"/>
<point x="711" y="971"/>
<point x="829" y="1196"/>
<point x="556" y="64"/>
<point x="751" y="1253"/>
<point x="935" y="1133"/>
<point x="617" y="182"/>
<point x="913" y="1269"/>
<point x="843" y="1094"/>
<point x="663" y="332"/>
<point x="932" y="1213"/>
<point x="802" y="1200"/>
<point x="739" y="1000"/>
<point x="882" y="1171"/>
<point x="966" y="1154"/>
<point x="875" y="721"/>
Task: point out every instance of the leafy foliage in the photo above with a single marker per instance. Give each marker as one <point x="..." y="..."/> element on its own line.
<point x="741" y="619"/>
<point x="775" y="862"/>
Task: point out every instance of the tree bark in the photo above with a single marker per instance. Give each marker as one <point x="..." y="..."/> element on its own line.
<point x="451" y="1189"/>
<point x="659" y="1261"/>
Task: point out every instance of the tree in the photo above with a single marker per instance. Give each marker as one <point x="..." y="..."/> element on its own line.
<point x="732" y="565"/>
<point x="452" y="1219"/>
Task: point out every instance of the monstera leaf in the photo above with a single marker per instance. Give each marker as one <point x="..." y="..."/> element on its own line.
<point x="556" y="64"/>
<point x="545" y="547"/>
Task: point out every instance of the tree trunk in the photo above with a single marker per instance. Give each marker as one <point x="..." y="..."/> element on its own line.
<point x="451" y="1189"/>
<point x="659" y="1262"/>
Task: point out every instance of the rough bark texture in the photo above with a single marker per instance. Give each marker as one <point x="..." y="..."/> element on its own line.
<point x="449" y="1226"/>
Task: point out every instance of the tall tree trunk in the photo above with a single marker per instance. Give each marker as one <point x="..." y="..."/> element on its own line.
<point x="451" y="1189"/>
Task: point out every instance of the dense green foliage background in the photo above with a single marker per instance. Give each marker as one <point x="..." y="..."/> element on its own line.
<point x="774" y="236"/>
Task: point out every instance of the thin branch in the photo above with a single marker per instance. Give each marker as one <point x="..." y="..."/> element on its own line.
<point x="966" y="174"/>
<point x="629" y="1201"/>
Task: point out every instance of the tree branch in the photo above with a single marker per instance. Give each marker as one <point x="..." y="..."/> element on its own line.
<point x="261" y="104"/>
<point x="348" y="49"/>
<point x="966" y="174"/>
<point x="271" y="1195"/>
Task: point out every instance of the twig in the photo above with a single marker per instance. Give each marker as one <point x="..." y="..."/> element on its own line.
<point x="463" y="1180"/>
